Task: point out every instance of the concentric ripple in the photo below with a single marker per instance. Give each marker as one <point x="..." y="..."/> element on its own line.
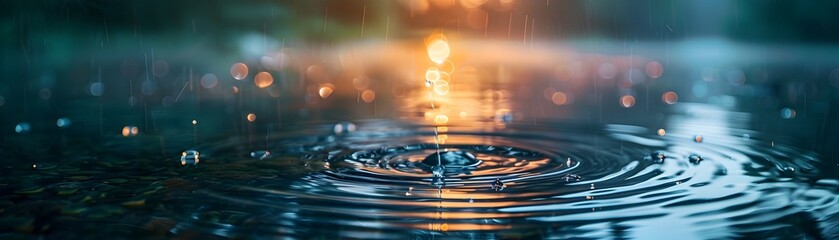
<point x="378" y="183"/>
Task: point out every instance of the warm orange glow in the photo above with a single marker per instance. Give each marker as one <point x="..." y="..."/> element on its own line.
<point x="441" y="87"/>
<point x="654" y="69"/>
<point x="670" y="97"/>
<point x="263" y="79"/>
<point x="325" y="90"/>
<point x="126" y="131"/>
<point x="559" y="98"/>
<point x="239" y="71"/>
<point x="251" y="117"/>
<point x="360" y="83"/>
<point x="441" y="119"/>
<point x="627" y="101"/>
<point x="368" y="96"/>
<point x="438" y="48"/>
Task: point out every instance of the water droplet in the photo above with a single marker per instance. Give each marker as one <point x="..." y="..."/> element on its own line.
<point x="251" y="117"/>
<point x="325" y="90"/>
<point x="209" y="80"/>
<point x="368" y="96"/>
<point x="97" y="89"/>
<point x="498" y="185"/>
<point x="239" y="71"/>
<point x="786" y="171"/>
<point x="694" y="158"/>
<point x="63" y="122"/>
<point x="592" y="186"/>
<point x="657" y="157"/>
<point x="452" y="159"/>
<point x="746" y="136"/>
<point x="568" y="162"/>
<point x="344" y="127"/>
<point x="788" y="113"/>
<point x="263" y="80"/>
<point x="572" y="177"/>
<point x="698" y="138"/>
<point x="410" y="191"/>
<point x="189" y="157"/>
<point x="438" y="171"/>
<point x="23" y="127"/>
<point x="194" y="122"/>
<point x="654" y="69"/>
<point x="670" y="97"/>
<point x="129" y="131"/>
<point x="438" y="49"/>
<point x="260" y="154"/>
<point x="661" y="132"/>
<point x="590" y="198"/>
<point x="627" y="101"/>
<point x="471" y="200"/>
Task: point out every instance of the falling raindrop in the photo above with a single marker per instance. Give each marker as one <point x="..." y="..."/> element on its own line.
<point x="97" y="89"/>
<point x="263" y="80"/>
<point x="251" y="117"/>
<point x="209" y="80"/>
<point x="698" y="138"/>
<point x="239" y="71"/>
<point x="368" y="96"/>
<point x="670" y="97"/>
<point x="130" y="131"/>
<point x="189" y="157"/>
<point x="661" y="132"/>
<point x="63" y="122"/>
<point x="788" y="113"/>
<point x="627" y="101"/>
<point x="23" y="127"/>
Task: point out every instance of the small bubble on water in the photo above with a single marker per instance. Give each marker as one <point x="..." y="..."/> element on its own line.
<point x="260" y="154"/>
<point x="695" y="159"/>
<point x="592" y="186"/>
<point x="698" y="138"/>
<point x="746" y="136"/>
<point x="189" y="157"/>
<point x="344" y="127"/>
<point x="498" y="185"/>
<point x="23" y="127"/>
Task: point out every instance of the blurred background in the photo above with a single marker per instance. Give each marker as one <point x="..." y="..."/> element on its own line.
<point x="108" y="65"/>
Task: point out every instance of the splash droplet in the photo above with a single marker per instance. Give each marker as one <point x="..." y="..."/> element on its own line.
<point x="498" y="185"/>
<point x="130" y="131"/>
<point x="263" y="80"/>
<point x="698" y="138"/>
<point x="695" y="159"/>
<point x="251" y="117"/>
<point x="438" y="171"/>
<point x="571" y="177"/>
<point x="661" y="132"/>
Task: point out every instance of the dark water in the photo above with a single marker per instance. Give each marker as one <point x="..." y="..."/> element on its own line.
<point x="372" y="179"/>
